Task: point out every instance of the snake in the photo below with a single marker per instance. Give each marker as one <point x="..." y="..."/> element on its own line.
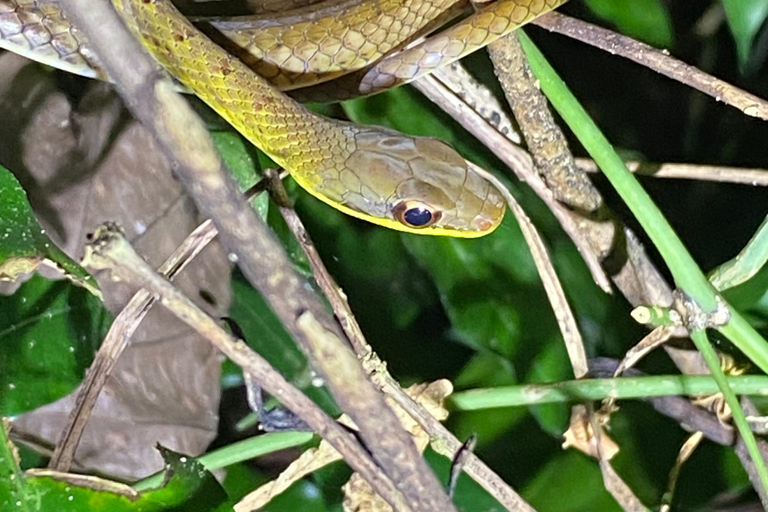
<point x="418" y="185"/>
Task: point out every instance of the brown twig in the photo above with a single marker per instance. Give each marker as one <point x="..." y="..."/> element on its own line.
<point x="475" y="97"/>
<point x="690" y="417"/>
<point x="118" y="338"/>
<point x="657" y="60"/>
<point x="544" y="138"/>
<point x="443" y="441"/>
<point x="115" y="342"/>
<point x="479" y="97"/>
<point x="723" y="174"/>
<point x="554" y="289"/>
<point x="597" y="241"/>
<point x="186" y="143"/>
<point x="554" y="161"/>
<point x="693" y="418"/>
<point x="109" y="250"/>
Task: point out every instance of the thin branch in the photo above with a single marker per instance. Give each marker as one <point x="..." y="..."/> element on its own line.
<point x="566" y="320"/>
<point x="115" y="342"/>
<point x="657" y="60"/>
<point x="691" y="418"/>
<point x="543" y="137"/>
<point x="186" y="143"/>
<point x="110" y="251"/>
<point x="118" y="338"/>
<point x="554" y="161"/>
<point x="443" y="441"/>
<point x="723" y="174"/>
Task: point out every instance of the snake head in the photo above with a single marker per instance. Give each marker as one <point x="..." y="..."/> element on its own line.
<point x="413" y="184"/>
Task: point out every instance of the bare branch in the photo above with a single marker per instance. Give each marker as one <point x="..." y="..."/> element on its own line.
<point x="657" y="60"/>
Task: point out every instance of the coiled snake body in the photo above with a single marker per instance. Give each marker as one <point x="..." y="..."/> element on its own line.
<point x="413" y="184"/>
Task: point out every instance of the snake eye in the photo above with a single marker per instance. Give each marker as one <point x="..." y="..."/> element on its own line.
<point x="415" y="214"/>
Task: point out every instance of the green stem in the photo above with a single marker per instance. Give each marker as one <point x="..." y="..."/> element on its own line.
<point x="699" y="338"/>
<point x="746" y="264"/>
<point x="681" y="264"/>
<point x="688" y="277"/>
<point x="238" y="452"/>
<point x="599" y="389"/>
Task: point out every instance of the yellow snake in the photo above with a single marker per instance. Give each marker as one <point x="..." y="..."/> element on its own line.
<point x="413" y="184"/>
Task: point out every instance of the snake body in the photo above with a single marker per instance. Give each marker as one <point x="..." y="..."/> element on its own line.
<point x="411" y="184"/>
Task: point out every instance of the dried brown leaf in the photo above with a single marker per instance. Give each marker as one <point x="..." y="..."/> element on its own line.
<point x="83" y="163"/>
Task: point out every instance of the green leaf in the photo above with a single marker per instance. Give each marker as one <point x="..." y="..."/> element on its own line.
<point x="24" y="244"/>
<point x="239" y="157"/>
<point x="302" y="495"/>
<point x="646" y="20"/>
<point x="486" y="370"/>
<point x="481" y="291"/>
<point x="13" y="486"/>
<point x="745" y="18"/>
<point x="570" y="482"/>
<point x="189" y="487"/>
<point x="49" y="332"/>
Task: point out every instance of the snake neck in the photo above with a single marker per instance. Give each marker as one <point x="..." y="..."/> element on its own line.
<point x="279" y="126"/>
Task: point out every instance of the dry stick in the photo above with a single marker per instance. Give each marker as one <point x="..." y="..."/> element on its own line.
<point x="639" y="281"/>
<point x="442" y="440"/>
<point x="111" y="251"/>
<point x="691" y="418"/>
<point x="544" y="138"/>
<point x="662" y="63"/>
<point x="635" y="275"/>
<point x="115" y="342"/>
<point x="118" y="337"/>
<point x="723" y="174"/>
<point x="477" y="97"/>
<point x="187" y="145"/>
<point x="555" y="162"/>
<point x="552" y="286"/>
<point x="657" y="60"/>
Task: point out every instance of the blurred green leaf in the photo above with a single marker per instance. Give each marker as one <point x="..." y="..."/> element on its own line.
<point x="302" y="495"/>
<point x="570" y="482"/>
<point x="49" y="332"/>
<point x="239" y="157"/>
<point x="551" y="365"/>
<point x="486" y="370"/>
<point x="646" y="20"/>
<point x="745" y="18"/>
<point x="188" y="488"/>
<point x="24" y="244"/>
